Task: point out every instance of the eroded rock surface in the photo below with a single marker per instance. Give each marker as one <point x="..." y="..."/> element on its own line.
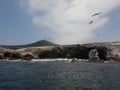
<point x="94" y="56"/>
<point x="95" y="52"/>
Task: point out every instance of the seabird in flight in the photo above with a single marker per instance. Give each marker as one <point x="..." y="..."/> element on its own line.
<point x="95" y="14"/>
<point x="90" y="22"/>
<point x="98" y="34"/>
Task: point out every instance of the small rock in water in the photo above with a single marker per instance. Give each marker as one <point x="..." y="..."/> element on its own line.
<point x="74" y="60"/>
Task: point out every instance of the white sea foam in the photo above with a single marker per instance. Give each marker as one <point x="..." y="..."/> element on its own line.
<point x="58" y="59"/>
<point x="45" y="60"/>
<point x="13" y="60"/>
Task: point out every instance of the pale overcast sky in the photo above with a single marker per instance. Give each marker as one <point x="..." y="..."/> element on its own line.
<point x="62" y="21"/>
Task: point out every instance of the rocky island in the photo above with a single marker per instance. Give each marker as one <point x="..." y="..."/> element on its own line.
<point x="95" y="52"/>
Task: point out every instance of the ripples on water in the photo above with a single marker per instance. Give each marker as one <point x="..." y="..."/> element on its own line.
<point x="59" y="75"/>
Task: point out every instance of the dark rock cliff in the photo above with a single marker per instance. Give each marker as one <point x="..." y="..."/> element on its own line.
<point x="106" y="51"/>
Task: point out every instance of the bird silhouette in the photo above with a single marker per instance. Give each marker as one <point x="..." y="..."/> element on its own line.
<point x="49" y="38"/>
<point x="90" y="22"/>
<point x="98" y="34"/>
<point x="95" y="14"/>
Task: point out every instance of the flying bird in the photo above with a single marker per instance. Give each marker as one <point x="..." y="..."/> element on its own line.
<point x="98" y="34"/>
<point x="90" y="22"/>
<point x="49" y="38"/>
<point x="95" y="14"/>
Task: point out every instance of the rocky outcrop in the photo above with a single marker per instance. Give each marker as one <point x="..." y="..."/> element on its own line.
<point x="94" y="56"/>
<point x="115" y="56"/>
<point x="28" y="56"/>
<point x="1" y="56"/>
<point x="95" y="52"/>
<point x="74" y="60"/>
<point x="75" y="51"/>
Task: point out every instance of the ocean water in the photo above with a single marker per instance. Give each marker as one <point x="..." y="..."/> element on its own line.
<point x="59" y="75"/>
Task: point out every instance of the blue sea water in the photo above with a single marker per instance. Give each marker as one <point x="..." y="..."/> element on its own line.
<point x="59" y="75"/>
